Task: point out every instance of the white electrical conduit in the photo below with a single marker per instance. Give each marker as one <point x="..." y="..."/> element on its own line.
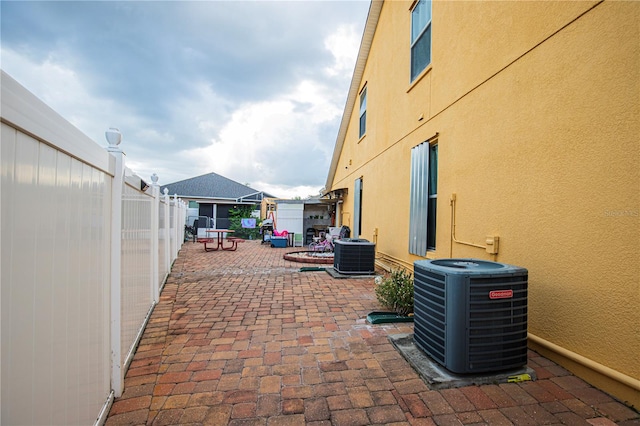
<point x="452" y="203"/>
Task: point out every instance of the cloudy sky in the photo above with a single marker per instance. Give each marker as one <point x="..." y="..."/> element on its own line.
<point x="251" y="90"/>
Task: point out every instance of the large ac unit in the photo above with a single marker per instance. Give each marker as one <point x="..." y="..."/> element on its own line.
<point x="471" y="315"/>
<point x="354" y="256"/>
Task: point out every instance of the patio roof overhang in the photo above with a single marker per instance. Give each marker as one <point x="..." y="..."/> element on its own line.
<point x="337" y="194"/>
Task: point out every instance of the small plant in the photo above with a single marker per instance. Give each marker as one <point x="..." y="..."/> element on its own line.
<point x="396" y="292"/>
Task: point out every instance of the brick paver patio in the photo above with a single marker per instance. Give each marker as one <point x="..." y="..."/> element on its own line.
<point x="245" y="338"/>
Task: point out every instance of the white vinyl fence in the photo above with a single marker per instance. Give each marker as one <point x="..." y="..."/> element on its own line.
<point x="85" y="252"/>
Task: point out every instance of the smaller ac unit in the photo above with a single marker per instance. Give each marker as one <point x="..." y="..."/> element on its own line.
<point x="354" y="256"/>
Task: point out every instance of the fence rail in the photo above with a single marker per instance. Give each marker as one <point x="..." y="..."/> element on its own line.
<point x="79" y="282"/>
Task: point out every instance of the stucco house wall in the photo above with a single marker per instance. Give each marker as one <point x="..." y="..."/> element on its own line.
<point x="535" y="110"/>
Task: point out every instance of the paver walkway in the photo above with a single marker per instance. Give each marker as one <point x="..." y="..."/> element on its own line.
<point x="244" y="338"/>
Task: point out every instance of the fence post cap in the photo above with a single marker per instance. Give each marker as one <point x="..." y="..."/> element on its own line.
<point x="113" y="135"/>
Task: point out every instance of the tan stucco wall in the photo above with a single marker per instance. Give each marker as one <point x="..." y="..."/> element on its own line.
<point x="537" y="111"/>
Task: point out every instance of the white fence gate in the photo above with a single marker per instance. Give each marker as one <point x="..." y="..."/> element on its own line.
<point x="84" y="253"/>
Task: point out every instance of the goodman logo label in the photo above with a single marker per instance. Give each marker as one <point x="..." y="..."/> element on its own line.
<point x="501" y="294"/>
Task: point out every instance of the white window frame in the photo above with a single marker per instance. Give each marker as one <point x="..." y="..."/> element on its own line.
<point x="416" y="37"/>
<point x="363" y="113"/>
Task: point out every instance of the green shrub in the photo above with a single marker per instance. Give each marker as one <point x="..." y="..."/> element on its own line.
<point x="235" y="222"/>
<point x="396" y="292"/>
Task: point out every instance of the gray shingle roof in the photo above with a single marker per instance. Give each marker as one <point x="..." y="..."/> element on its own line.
<point x="211" y="185"/>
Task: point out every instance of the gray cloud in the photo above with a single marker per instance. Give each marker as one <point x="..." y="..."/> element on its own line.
<point x="174" y="73"/>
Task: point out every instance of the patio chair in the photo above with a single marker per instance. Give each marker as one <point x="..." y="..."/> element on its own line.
<point x="298" y="239"/>
<point x="311" y="232"/>
<point x="202" y="222"/>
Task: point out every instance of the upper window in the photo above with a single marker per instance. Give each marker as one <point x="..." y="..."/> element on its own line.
<point x="420" y="37"/>
<point x="363" y="112"/>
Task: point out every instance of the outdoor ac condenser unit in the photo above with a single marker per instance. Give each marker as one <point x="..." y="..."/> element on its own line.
<point x="354" y="256"/>
<point x="471" y="315"/>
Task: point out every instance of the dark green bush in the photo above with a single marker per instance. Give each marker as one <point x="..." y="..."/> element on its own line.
<point x="396" y="292"/>
<point x="235" y="222"/>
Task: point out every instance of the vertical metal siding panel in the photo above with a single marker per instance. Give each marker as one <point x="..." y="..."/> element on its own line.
<point x="412" y="184"/>
<point x="419" y="199"/>
<point x="7" y="194"/>
<point x="424" y="197"/>
<point x="162" y="264"/>
<point x="98" y="382"/>
<point x="76" y="241"/>
<point x="172" y="232"/>
<point x="105" y="291"/>
<point x="100" y="227"/>
<point x="164" y="236"/>
<point x="93" y="294"/>
<point x="55" y="276"/>
<point x="357" y="206"/>
<point x="128" y="254"/>
<point x="85" y="277"/>
<point x="90" y="283"/>
<point x="22" y="283"/>
<point x="126" y="248"/>
<point x="43" y="285"/>
<point x="136" y="263"/>
<point x="415" y="200"/>
<point x="105" y="295"/>
<point x="56" y="350"/>
<point x="61" y="278"/>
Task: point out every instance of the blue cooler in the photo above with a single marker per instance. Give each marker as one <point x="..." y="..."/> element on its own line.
<point x="279" y="242"/>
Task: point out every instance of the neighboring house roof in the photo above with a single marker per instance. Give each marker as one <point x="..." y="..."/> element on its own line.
<point x="212" y="185"/>
<point x="356" y="80"/>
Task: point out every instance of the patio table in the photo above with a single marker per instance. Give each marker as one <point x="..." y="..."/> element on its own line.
<point x="219" y="240"/>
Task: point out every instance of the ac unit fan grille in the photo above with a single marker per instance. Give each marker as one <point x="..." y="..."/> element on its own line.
<point x="497" y="328"/>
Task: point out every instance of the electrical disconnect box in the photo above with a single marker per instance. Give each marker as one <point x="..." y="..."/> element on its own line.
<point x="492" y="242"/>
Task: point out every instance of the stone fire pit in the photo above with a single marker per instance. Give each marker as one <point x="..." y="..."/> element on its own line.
<point x="309" y="256"/>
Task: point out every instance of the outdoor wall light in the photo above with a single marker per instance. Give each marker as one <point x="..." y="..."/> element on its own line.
<point x="113" y="135"/>
<point x="143" y="185"/>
